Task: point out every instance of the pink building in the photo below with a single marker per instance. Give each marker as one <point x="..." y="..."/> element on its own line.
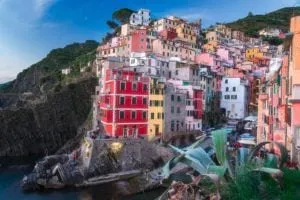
<point x="205" y="59"/>
<point x="173" y="49"/>
<point x="139" y="42"/>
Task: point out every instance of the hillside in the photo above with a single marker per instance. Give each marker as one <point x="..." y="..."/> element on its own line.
<point x="46" y="73"/>
<point x="49" y="109"/>
<point x="277" y="19"/>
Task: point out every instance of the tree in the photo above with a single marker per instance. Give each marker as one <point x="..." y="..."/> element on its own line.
<point x="122" y="15"/>
<point x="250" y="14"/>
<point x="112" y="24"/>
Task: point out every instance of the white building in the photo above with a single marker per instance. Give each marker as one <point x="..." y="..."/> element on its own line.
<point x="235" y="97"/>
<point x="183" y="70"/>
<point x="126" y="29"/>
<point x="273" y="32"/>
<point x="66" y="71"/>
<point x="142" y="18"/>
<point x="149" y="65"/>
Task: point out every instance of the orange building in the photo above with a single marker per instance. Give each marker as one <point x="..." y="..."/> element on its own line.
<point x="279" y="99"/>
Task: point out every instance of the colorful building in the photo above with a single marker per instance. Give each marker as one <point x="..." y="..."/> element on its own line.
<point x="156" y="114"/>
<point x="178" y="49"/>
<point x="185" y="32"/>
<point x="294" y="87"/>
<point x="124" y="103"/>
<point x="254" y="52"/>
<point x="194" y="104"/>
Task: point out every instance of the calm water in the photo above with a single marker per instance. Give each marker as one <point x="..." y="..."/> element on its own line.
<point x="10" y="189"/>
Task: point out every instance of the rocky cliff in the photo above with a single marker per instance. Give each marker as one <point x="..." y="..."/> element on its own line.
<point x="43" y="126"/>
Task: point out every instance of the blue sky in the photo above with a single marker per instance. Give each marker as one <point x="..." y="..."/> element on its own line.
<point x="29" y="29"/>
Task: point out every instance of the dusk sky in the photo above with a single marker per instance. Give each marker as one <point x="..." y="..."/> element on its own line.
<point x="29" y="29"/>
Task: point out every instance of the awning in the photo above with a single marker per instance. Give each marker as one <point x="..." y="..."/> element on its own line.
<point x="251" y="118"/>
<point x="247" y="142"/>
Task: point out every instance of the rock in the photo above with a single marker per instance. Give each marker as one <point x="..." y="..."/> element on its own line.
<point x="42" y="128"/>
<point x="135" y="155"/>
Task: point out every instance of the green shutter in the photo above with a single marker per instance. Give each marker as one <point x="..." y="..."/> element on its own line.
<point x="279" y="79"/>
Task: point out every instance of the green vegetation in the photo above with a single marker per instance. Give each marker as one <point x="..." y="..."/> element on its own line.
<point x="48" y="70"/>
<point x="75" y="56"/>
<point x="239" y="174"/>
<point x="253" y="23"/>
<point x="273" y="40"/>
<point x="122" y="15"/>
<point x="119" y="17"/>
<point x="4" y="86"/>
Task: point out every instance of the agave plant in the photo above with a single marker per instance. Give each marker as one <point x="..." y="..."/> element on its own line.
<point x="229" y="164"/>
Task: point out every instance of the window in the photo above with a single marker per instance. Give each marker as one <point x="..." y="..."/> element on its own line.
<point x="233" y="96"/>
<point x="227" y="89"/>
<point x="122" y="86"/>
<point x="122" y="115"/>
<point x="150" y="103"/>
<point x="152" y="115"/>
<point x="133" y="100"/>
<point x="158" y="115"/>
<point x="178" y="109"/>
<point x="134" y="86"/>
<point x="122" y="100"/>
<point x="234" y="89"/>
<point x="133" y="115"/>
<point x="176" y="72"/>
<point x="227" y="97"/>
<point x="178" y="98"/>
<point x="162" y="115"/>
<point x="226" y="81"/>
<point x="144" y="115"/>
<point x="172" y="109"/>
<point x="172" y="125"/>
<point x="144" y="101"/>
<point x="172" y="97"/>
<point x="156" y="103"/>
<point x="188" y="103"/>
<point x="145" y="87"/>
<point x="162" y="103"/>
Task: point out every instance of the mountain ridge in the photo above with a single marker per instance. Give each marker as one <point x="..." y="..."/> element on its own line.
<point x="251" y="24"/>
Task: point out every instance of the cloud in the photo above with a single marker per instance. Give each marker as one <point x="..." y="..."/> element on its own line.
<point x="40" y="6"/>
<point x="21" y="27"/>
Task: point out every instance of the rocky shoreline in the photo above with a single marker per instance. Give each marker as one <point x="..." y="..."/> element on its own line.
<point x="133" y="163"/>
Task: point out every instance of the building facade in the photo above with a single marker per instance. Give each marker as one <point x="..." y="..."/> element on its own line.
<point x="235" y="97"/>
<point x="124" y="104"/>
<point x="141" y="18"/>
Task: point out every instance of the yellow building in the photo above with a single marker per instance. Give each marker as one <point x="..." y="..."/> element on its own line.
<point x="211" y="46"/>
<point x="224" y="30"/>
<point x="254" y="52"/>
<point x="186" y="33"/>
<point x="156" y="110"/>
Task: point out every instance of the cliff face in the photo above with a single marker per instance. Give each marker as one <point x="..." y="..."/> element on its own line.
<point x="45" y="126"/>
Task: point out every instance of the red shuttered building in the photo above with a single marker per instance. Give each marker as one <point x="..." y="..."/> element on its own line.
<point x="124" y="103"/>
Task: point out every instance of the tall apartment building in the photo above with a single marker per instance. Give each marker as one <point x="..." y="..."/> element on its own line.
<point x="235" y="97"/>
<point x="124" y="103"/>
